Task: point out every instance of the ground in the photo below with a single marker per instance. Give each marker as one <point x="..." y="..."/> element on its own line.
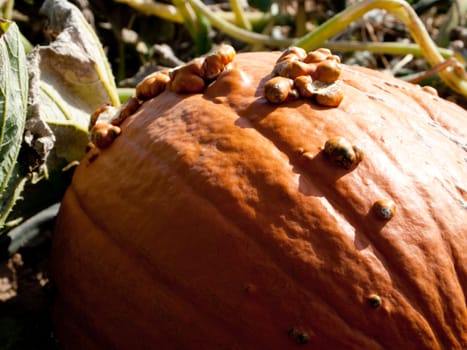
<point x="26" y="295"/>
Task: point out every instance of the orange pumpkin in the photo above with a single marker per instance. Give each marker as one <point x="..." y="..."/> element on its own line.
<point x="218" y="220"/>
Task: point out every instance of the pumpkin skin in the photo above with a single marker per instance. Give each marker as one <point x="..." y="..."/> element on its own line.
<point x="214" y="221"/>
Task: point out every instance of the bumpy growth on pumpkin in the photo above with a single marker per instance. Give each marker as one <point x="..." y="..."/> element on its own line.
<point x="218" y="219"/>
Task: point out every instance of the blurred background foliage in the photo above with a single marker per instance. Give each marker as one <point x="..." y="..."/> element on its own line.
<point x="142" y="35"/>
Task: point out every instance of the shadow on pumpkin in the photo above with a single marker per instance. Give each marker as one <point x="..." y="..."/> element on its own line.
<point x="319" y="177"/>
<point x="370" y="231"/>
<point x="317" y="168"/>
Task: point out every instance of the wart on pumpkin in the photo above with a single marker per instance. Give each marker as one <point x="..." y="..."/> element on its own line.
<point x="278" y="89"/>
<point x="216" y="63"/>
<point x="125" y="110"/>
<point x="104" y="126"/>
<point x="192" y="77"/>
<point x="327" y="71"/>
<point x="384" y="208"/>
<point x="341" y="152"/>
<point x="292" y="52"/>
<point x="188" y="78"/>
<point x="293" y="68"/>
<point x="152" y="85"/>
<point x="304" y="85"/>
<point x="375" y="301"/>
<point x="103" y="134"/>
<point x="299" y="336"/>
<point x="314" y="74"/>
<point x="319" y="55"/>
<point x="327" y="95"/>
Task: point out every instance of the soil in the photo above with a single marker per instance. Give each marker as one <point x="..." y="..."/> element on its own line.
<point x="26" y="296"/>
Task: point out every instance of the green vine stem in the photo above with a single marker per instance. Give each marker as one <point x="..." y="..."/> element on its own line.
<point x="455" y="76"/>
<point x="300" y="19"/>
<point x="234" y="31"/>
<point x="170" y="12"/>
<point x="241" y="19"/>
<point x="189" y="18"/>
<point x="149" y="7"/>
<point x="390" y="48"/>
<point x="8" y="9"/>
<point x="197" y="26"/>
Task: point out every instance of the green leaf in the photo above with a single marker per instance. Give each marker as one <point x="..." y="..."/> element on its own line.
<point x="13" y="105"/>
<point x="70" y="78"/>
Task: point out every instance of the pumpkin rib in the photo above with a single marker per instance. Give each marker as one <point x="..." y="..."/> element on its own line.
<point x="450" y="285"/>
<point x="460" y="271"/>
<point x="445" y="288"/>
<point x="440" y="114"/>
<point x="209" y="320"/>
<point x="311" y="296"/>
<point x="181" y="176"/>
<point x="414" y="298"/>
<point x="76" y="329"/>
<point x="211" y="204"/>
<point x="77" y="284"/>
<point x="443" y="242"/>
<point x="437" y="117"/>
<point x="182" y="171"/>
<point x="451" y="249"/>
<point x="354" y="216"/>
<point x="292" y="281"/>
<point x="328" y="310"/>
